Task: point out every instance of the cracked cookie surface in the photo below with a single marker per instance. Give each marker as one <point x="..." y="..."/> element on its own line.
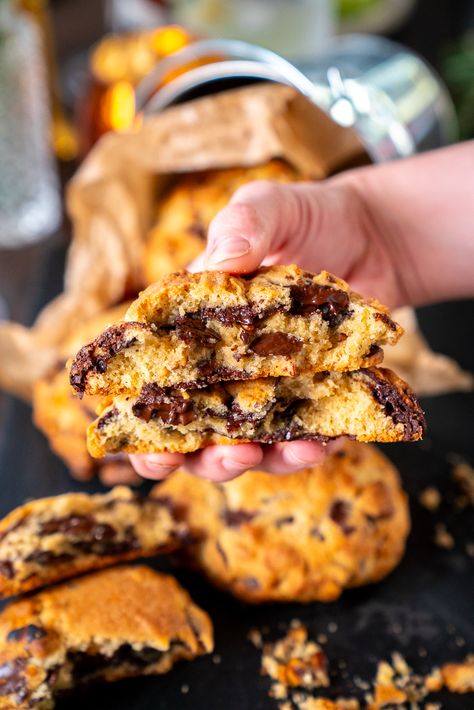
<point x="303" y="537"/>
<point x="191" y="330"/>
<point x="368" y="405"/>
<point x="113" y="624"/>
<point x="51" y="539"/>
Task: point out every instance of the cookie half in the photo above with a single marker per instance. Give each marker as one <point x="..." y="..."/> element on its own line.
<point x="191" y="330"/>
<point x="51" y="539"/>
<point x="113" y="624"/>
<point x="367" y="405"/>
<point x="302" y="537"/>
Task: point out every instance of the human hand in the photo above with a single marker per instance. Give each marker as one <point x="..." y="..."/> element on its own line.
<point x="389" y="230"/>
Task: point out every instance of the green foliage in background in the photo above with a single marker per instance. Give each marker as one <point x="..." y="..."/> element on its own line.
<point x="458" y="72"/>
<point x="347" y="8"/>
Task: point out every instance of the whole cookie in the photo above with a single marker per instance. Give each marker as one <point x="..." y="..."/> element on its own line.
<point x="300" y="537"/>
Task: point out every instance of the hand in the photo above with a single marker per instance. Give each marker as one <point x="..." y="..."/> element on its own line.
<point x="389" y="230"/>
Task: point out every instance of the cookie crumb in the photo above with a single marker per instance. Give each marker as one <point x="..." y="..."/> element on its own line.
<point x="430" y="498"/>
<point x="332" y="627"/>
<point x="459" y="677"/>
<point x="463" y="474"/>
<point x="470" y="549"/>
<point x="443" y="537"/>
<point x="322" y="638"/>
<point x="216" y="659"/>
<point x="185" y="689"/>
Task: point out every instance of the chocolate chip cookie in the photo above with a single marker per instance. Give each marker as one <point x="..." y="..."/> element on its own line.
<point x="51" y="539"/>
<point x="191" y="330"/>
<point x="118" y="623"/>
<point x="367" y="405"/>
<point x="63" y="417"/>
<point x="186" y="208"/>
<point x="303" y="537"/>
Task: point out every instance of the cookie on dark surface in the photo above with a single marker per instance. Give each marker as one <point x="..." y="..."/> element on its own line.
<point x="190" y="330"/>
<point x="118" y="623"/>
<point x="51" y="539"/>
<point x="187" y="207"/>
<point x="368" y="405"/>
<point x="302" y="537"/>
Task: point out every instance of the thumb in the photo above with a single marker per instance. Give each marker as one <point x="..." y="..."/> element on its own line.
<point x="261" y="219"/>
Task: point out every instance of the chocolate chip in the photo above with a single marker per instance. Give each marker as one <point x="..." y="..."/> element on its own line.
<point x="47" y="557"/>
<point x="88" y="666"/>
<point x="316" y="532"/>
<point x="244" y="316"/>
<point x="402" y="407"/>
<point x="169" y="406"/>
<point x="6" y="569"/>
<point x="339" y="513"/>
<point x="77" y="526"/>
<point x="331" y="303"/>
<point x="192" y="329"/>
<point x="387" y="320"/>
<point x="27" y="633"/>
<point x="107" y="418"/>
<point x="234" y="518"/>
<point x="96" y="355"/>
<point x="287" y="520"/>
<point x="276" y="344"/>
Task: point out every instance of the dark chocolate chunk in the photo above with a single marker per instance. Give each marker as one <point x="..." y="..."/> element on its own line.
<point x="6" y="569"/>
<point x="27" y="633"/>
<point x="78" y="526"/>
<point x="13" y="679"/>
<point x="234" y="518"/>
<point x="168" y="405"/>
<point x="48" y="557"/>
<point x="276" y="344"/>
<point x="107" y="418"/>
<point x="96" y="355"/>
<point x="87" y="666"/>
<point x="331" y="303"/>
<point x="286" y="520"/>
<point x="402" y="407"/>
<point x="387" y="320"/>
<point x="339" y="513"/>
<point x="192" y="329"/>
<point x="244" y="316"/>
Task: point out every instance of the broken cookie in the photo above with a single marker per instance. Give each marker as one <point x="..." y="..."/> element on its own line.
<point x="113" y="624"/>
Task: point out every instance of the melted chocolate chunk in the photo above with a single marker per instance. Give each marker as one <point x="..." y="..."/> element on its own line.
<point x="77" y="526"/>
<point x="235" y="518"/>
<point x="169" y="406"/>
<point x="107" y="418"/>
<point x="191" y="328"/>
<point x="6" y="569"/>
<point x="339" y="513"/>
<point x="13" y="680"/>
<point x="211" y="372"/>
<point x="331" y="303"/>
<point x="96" y="355"/>
<point x="402" y="407"/>
<point x="48" y="557"/>
<point x="244" y="316"/>
<point x="87" y="665"/>
<point x="276" y="344"/>
<point x="387" y="320"/>
<point x="27" y="633"/>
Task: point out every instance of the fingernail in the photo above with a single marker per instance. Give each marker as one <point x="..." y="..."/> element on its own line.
<point x="157" y="466"/>
<point x="233" y="466"/>
<point x="228" y="248"/>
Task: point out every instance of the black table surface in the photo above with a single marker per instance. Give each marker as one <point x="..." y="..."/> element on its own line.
<point x="423" y="609"/>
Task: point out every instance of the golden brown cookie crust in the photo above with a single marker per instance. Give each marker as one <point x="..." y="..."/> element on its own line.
<point x="303" y="537"/>
<point x="145" y="621"/>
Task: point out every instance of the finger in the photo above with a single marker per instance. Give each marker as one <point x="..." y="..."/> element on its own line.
<point x="156" y="466"/>
<point x="287" y="457"/>
<point x="222" y="463"/>
<point x="260" y="218"/>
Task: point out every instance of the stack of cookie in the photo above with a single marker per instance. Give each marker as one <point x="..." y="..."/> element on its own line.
<point x="110" y="624"/>
<point x="278" y="355"/>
